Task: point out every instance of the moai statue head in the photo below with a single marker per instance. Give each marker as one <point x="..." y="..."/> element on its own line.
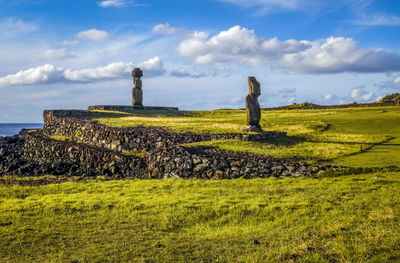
<point x="137" y="73"/>
<point x="254" y="86"/>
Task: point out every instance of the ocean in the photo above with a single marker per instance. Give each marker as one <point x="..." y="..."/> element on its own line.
<point x="10" y="129"/>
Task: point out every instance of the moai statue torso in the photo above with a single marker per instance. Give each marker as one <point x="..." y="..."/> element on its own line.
<point x="137" y="92"/>
<point x="253" y="110"/>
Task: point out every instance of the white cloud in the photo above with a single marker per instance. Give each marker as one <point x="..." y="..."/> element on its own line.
<point x="331" y="55"/>
<point x="237" y="44"/>
<point x="114" y="3"/>
<point x="50" y="74"/>
<point x="377" y="20"/>
<point x="43" y="74"/>
<point x="285" y="4"/>
<point x="396" y="85"/>
<point x="70" y="42"/>
<point x="264" y="7"/>
<point x="94" y="34"/>
<point x="338" y="54"/>
<point x="327" y="99"/>
<point x="13" y="27"/>
<point x="114" y="70"/>
<point x="199" y="34"/>
<point x="56" y="54"/>
<point x="180" y="73"/>
<point x="184" y="73"/>
<point x="166" y="29"/>
<point x="361" y="95"/>
<point x="152" y="67"/>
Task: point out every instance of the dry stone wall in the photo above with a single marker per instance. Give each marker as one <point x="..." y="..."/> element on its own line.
<point x="71" y="124"/>
<point x="76" y="159"/>
<point x="209" y="163"/>
<point x="92" y="149"/>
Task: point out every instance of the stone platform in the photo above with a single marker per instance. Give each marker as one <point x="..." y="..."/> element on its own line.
<point x="130" y="108"/>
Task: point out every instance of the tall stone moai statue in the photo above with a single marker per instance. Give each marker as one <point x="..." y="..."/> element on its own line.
<point x="253" y="110"/>
<point x="137" y="92"/>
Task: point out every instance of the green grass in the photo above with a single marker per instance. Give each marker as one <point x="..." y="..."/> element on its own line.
<point x="60" y="138"/>
<point x="350" y="136"/>
<point x="135" y="153"/>
<point x="330" y="218"/>
<point x="340" y="219"/>
<point x="219" y="121"/>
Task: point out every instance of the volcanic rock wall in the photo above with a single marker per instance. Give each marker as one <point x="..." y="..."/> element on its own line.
<point x="69" y="123"/>
<point x="88" y="148"/>
<point x="74" y="159"/>
<point x="209" y="163"/>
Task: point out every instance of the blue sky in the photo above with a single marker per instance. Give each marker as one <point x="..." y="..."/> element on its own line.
<point x="196" y="54"/>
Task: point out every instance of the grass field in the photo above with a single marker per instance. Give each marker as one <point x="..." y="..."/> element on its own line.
<point x="348" y="218"/>
<point x="349" y="136"/>
<point x="341" y="219"/>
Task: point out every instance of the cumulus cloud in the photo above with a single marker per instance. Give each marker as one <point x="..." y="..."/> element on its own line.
<point x="361" y="95"/>
<point x="50" y="74"/>
<point x="56" y="54"/>
<point x="114" y="70"/>
<point x="167" y="29"/>
<point x="331" y="55"/>
<point x="42" y="74"/>
<point x="237" y="44"/>
<point x="70" y="42"/>
<point x="338" y="54"/>
<point x="94" y="34"/>
<point x="153" y="67"/>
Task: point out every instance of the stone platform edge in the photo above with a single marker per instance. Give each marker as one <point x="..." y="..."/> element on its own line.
<point x="130" y="108"/>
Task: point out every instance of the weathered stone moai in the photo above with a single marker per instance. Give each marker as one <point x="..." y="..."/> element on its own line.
<point x="253" y="110"/>
<point x="137" y="92"/>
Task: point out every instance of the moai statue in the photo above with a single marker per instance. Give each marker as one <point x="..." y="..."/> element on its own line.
<point x="253" y="110"/>
<point x="137" y="92"/>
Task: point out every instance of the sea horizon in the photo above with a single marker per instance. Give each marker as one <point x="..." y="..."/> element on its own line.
<point x="13" y="128"/>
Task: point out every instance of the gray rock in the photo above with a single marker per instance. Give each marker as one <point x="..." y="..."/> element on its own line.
<point x="200" y="167"/>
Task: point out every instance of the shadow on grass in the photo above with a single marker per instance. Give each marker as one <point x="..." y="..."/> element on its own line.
<point x="284" y="140"/>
